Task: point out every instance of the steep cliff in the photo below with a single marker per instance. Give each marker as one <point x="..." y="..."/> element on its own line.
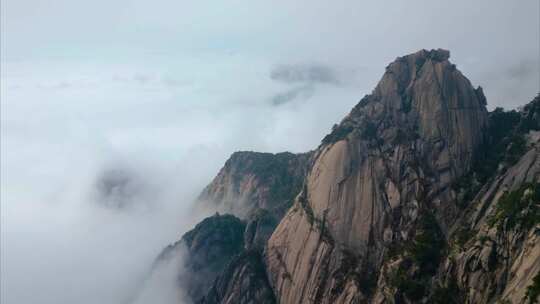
<point x="378" y="181"/>
<point x="205" y="250"/>
<point x="494" y="252"/>
<point x="244" y="281"/>
<point x="251" y="181"/>
<point x="419" y="195"/>
<point x="222" y="255"/>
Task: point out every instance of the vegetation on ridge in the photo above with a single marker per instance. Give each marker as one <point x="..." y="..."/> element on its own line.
<point x="533" y="291"/>
<point x="519" y="208"/>
<point x="421" y="259"/>
<point x="504" y="146"/>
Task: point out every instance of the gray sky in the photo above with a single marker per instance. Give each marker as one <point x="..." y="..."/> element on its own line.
<point x="166" y="90"/>
<point x="495" y="43"/>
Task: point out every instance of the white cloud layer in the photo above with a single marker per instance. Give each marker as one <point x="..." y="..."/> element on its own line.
<point x="166" y="90"/>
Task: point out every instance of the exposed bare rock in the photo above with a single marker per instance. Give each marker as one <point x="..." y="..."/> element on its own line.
<point x="258" y="188"/>
<point x="502" y="255"/>
<point x="413" y="136"/>
<point x="250" y="181"/>
<point x="419" y="195"/>
<point x="259" y="227"/>
<point x="243" y="281"/>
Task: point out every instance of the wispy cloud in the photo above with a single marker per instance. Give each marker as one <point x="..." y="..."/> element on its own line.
<point x="305" y="73"/>
<point x="304" y="92"/>
<point x="301" y="81"/>
<point x="523" y="69"/>
<point x="182" y="101"/>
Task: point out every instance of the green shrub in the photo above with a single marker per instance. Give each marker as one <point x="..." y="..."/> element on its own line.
<point x="448" y="294"/>
<point x="462" y="236"/>
<point x="517" y="148"/>
<point x="505" y="145"/>
<point x="406" y="103"/>
<point x="483" y="239"/>
<point x="428" y="245"/>
<point x="533" y="291"/>
<point x="518" y="208"/>
<point x="412" y="289"/>
<point x="369" y="131"/>
<point x="338" y="133"/>
<point x="502" y="135"/>
<point x="531" y="116"/>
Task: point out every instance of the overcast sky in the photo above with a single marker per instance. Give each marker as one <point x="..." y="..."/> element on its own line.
<point x="163" y="91"/>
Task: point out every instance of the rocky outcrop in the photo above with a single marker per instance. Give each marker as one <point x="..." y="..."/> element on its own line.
<point x="387" y="166"/>
<point x="251" y="181"/>
<point x="419" y="195"/>
<point x="495" y="250"/>
<point x="259" y="228"/>
<point x="208" y="248"/>
<point x="244" y="281"/>
<point x="491" y="253"/>
<point x="222" y="257"/>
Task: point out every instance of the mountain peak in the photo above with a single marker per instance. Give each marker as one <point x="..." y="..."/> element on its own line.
<point x="424" y="96"/>
<point x="415" y="61"/>
<point x="384" y="170"/>
<point x="434" y="54"/>
<point x="252" y="180"/>
<point x="384" y="209"/>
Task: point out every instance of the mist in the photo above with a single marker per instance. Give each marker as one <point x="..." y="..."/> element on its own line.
<point x="100" y="175"/>
<point x="114" y="116"/>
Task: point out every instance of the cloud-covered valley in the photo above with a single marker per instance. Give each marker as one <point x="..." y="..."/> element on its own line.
<point x="114" y="116"/>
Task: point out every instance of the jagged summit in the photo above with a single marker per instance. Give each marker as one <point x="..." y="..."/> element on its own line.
<point x="419" y="195"/>
<point x="384" y="170"/>
<point x="434" y="54"/>
<point x="421" y="95"/>
<point x="424" y="70"/>
<point x="252" y="180"/>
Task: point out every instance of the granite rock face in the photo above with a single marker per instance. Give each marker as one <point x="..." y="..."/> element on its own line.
<point x="419" y="195"/>
<point x="244" y="281"/>
<point x="498" y="257"/>
<point x="222" y="255"/>
<point x="251" y="181"/>
<point x="389" y="163"/>
<point x="206" y="250"/>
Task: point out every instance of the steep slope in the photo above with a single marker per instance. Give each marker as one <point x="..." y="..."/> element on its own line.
<point x="244" y="281"/>
<point x="380" y="179"/>
<point x="206" y="250"/>
<point x="217" y="265"/>
<point x="222" y="254"/>
<point x="418" y="196"/>
<point x="494" y="251"/>
<point x="250" y="181"/>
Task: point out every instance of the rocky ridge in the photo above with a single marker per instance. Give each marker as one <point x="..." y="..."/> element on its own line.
<point x="419" y="195"/>
<point x="223" y="254"/>
<point x="382" y="173"/>
<point x="252" y="181"/>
